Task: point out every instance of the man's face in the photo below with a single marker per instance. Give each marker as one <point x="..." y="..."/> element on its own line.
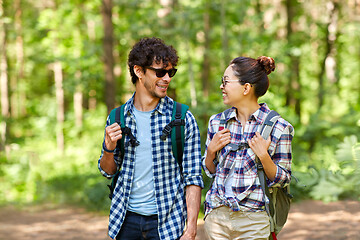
<point x="157" y="86"/>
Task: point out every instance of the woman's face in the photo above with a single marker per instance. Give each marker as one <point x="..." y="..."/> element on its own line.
<point x="231" y="88"/>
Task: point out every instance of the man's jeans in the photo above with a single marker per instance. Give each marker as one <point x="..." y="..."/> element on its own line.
<point x="136" y="227"/>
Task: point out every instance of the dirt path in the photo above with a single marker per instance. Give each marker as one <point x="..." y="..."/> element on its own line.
<point x="308" y="220"/>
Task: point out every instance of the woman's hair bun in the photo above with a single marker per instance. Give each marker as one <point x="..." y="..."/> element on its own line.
<point x="267" y="63"/>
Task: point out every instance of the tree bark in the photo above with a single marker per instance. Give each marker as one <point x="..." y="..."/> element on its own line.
<point x="92" y="99"/>
<point x="293" y="93"/>
<point x="330" y="62"/>
<point x="58" y="75"/>
<point x="4" y="81"/>
<point x="18" y="95"/>
<point x="330" y="38"/>
<point x="108" y="54"/>
<point x="78" y="109"/>
<point x="206" y="62"/>
<point x="191" y="77"/>
<point x="91" y="105"/>
<point x="225" y="40"/>
<point x="260" y="14"/>
<point x="78" y="102"/>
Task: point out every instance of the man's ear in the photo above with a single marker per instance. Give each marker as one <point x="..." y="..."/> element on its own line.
<point x="138" y="71"/>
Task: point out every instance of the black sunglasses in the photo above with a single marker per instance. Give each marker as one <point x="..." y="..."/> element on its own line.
<point x="160" y="72"/>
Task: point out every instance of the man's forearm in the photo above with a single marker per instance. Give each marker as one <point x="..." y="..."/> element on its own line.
<point x="193" y="201"/>
<point x="107" y="163"/>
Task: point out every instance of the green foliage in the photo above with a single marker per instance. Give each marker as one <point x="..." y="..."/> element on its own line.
<point x="38" y="173"/>
<point x="325" y="149"/>
<point x="339" y="182"/>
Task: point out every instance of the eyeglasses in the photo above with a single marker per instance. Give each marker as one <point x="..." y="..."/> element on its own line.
<point x="160" y="72"/>
<point x="225" y="81"/>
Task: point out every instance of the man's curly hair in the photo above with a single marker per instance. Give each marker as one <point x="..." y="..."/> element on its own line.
<point x="148" y="50"/>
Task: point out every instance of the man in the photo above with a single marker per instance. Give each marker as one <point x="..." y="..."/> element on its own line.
<point x="152" y="199"/>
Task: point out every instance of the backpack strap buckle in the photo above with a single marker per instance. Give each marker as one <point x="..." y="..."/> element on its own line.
<point x="178" y="122"/>
<point x="166" y="131"/>
<point x="235" y="147"/>
<point x="133" y="141"/>
<point x="259" y="165"/>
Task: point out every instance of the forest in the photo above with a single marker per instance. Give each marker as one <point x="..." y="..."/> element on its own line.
<point x="63" y="67"/>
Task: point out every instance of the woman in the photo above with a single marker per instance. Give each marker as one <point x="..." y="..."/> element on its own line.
<point x="234" y="206"/>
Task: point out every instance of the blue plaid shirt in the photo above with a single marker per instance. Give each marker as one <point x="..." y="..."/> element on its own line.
<point x="169" y="184"/>
<point x="248" y="195"/>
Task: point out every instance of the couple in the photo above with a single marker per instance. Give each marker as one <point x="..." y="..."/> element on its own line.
<point x="152" y="200"/>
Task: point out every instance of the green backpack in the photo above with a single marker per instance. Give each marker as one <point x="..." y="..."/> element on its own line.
<point x="177" y="136"/>
<point x="279" y="197"/>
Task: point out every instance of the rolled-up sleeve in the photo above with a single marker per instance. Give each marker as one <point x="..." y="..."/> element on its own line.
<point x="192" y="153"/>
<point x="282" y="158"/>
<point x="210" y="134"/>
<point x="116" y="155"/>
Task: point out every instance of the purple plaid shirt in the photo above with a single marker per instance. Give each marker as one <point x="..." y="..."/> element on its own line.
<point x="247" y="193"/>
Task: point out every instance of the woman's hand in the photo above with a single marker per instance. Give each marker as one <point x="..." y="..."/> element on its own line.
<point x="259" y="145"/>
<point x="220" y="140"/>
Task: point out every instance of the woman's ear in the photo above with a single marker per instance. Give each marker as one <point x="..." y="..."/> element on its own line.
<point x="247" y="88"/>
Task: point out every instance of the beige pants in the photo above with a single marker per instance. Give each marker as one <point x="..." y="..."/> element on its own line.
<point x="223" y="223"/>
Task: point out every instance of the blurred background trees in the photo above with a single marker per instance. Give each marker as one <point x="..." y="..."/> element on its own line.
<point x="63" y="66"/>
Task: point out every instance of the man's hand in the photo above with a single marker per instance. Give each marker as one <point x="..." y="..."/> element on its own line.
<point x="113" y="134"/>
<point x="189" y="234"/>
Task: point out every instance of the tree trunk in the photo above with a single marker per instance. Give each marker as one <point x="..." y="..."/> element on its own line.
<point x="92" y="99"/>
<point x="261" y="22"/>
<point x="225" y="40"/>
<point x="58" y="75"/>
<point x="191" y="77"/>
<point x="293" y="93"/>
<point x="328" y="62"/>
<point x="78" y="102"/>
<point x="108" y="54"/>
<point x="206" y="62"/>
<point x="91" y="32"/>
<point x="4" y="82"/>
<point x="78" y="109"/>
<point x="18" y="94"/>
<point x="167" y="20"/>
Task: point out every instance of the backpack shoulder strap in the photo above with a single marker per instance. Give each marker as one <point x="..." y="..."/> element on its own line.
<point x="269" y="123"/>
<point x="178" y="136"/>
<point x="112" y="116"/>
<point x="223" y="119"/>
<point x="222" y="125"/>
<point x="265" y="131"/>
<point x="117" y="115"/>
<point x="119" y="118"/>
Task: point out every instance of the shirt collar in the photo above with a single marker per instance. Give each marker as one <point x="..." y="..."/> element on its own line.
<point x="231" y="114"/>
<point x="259" y="115"/>
<point x="161" y="107"/>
